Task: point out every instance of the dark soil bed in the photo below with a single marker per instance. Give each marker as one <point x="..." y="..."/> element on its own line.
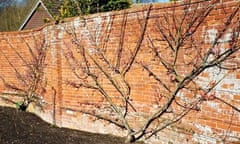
<point x="18" y="127"/>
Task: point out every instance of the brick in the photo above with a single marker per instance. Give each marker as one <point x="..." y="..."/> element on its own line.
<point x="211" y="124"/>
<point x="236" y="97"/>
<point x="238" y="76"/>
<point x="235" y="128"/>
<point x="147" y="95"/>
<point x="228" y="86"/>
<point x="222" y="126"/>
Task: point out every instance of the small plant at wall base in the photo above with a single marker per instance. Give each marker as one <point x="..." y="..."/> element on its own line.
<point x="30" y="85"/>
<point x="180" y="51"/>
<point x="18" y="104"/>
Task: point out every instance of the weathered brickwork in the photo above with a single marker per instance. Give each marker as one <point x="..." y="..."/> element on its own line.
<point x="215" y="121"/>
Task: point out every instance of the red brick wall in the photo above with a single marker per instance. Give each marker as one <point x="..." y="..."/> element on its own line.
<point x="216" y="122"/>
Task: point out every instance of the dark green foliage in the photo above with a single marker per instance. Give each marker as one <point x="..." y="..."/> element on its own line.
<point x="69" y="8"/>
<point x="53" y="6"/>
<point x="78" y="7"/>
<point x="116" y="5"/>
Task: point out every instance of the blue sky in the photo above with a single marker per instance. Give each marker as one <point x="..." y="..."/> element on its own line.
<point x="152" y="0"/>
<point x="18" y="2"/>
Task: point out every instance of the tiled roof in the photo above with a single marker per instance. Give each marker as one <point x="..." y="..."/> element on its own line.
<point x="13" y="19"/>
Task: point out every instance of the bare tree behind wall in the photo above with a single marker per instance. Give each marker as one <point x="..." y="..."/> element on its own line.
<point x="180" y="46"/>
<point x="28" y="69"/>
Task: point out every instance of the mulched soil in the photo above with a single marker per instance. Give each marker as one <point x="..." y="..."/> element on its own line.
<point x="17" y="127"/>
